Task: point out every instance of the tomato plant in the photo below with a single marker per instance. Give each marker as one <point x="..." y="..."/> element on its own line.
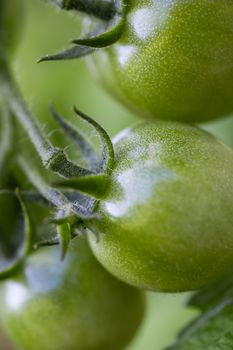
<point x="158" y="201"/>
<point x="167" y="59"/>
<point x="155" y="204"/>
<point x="72" y="304"/>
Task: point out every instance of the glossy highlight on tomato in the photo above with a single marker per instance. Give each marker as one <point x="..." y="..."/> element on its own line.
<point x="166" y="222"/>
<point x="69" y="305"/>
<point x="173" y="60"/>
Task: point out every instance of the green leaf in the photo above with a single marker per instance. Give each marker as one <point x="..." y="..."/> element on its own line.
<point x="107" y="161"/>
<point x="88" y="152"/>
<point x="64" y="232"/>
<point x="213" y="294"/>
<point x="213" y="330"/>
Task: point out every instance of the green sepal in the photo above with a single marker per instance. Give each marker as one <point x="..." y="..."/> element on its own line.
<point x="107" y="161"/>
<point x="107" y="35"/>
<point x="88" y="152"/>
<point x="36" y="197"/>
<point x="64" y="215"/>
<point x="64" y="233"/>
<point x="61" y="165"/>
<point x="68" y="54"/>
<point x="47" y="242"/>
<point x="102" y="9"/>
<point x="93" y="185"/>
<point x="9" y="267"/>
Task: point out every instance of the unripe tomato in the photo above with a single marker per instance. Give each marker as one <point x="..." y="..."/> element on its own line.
<point x="70" y="305"/>
<point x="173" y="60"/>
<point x="166" y="223"/>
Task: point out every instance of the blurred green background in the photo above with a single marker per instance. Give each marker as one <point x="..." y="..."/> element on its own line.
<point x="65" y="84"/>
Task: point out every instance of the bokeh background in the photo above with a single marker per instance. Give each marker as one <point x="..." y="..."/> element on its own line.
<point x="47" y="30"/>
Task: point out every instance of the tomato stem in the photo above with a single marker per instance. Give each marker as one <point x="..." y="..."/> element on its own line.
<point x="67" y="210"/>
<point x="53" y="158"/>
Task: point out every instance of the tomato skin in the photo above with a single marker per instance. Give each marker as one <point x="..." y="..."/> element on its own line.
<point x="173" y="61"/>
<point x="75" y="304"/>
<point x="167" y="221"/>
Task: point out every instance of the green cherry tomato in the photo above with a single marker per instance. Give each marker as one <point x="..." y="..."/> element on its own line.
<point x="166" y="223"/>
<point x="173" y="60"/>
<point x="69" y="305"/>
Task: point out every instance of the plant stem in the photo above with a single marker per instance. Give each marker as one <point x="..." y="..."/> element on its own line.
<point x="51" y="194"/>
<point x="43" y="146"/>
<point x="53" y="158"/>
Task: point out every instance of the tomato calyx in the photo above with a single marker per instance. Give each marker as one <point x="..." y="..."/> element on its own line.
<point x="102" y="9"/>
<point x="54" y="158"/>
<point x="73" y="197"/>
<point x="112" y="15"/>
